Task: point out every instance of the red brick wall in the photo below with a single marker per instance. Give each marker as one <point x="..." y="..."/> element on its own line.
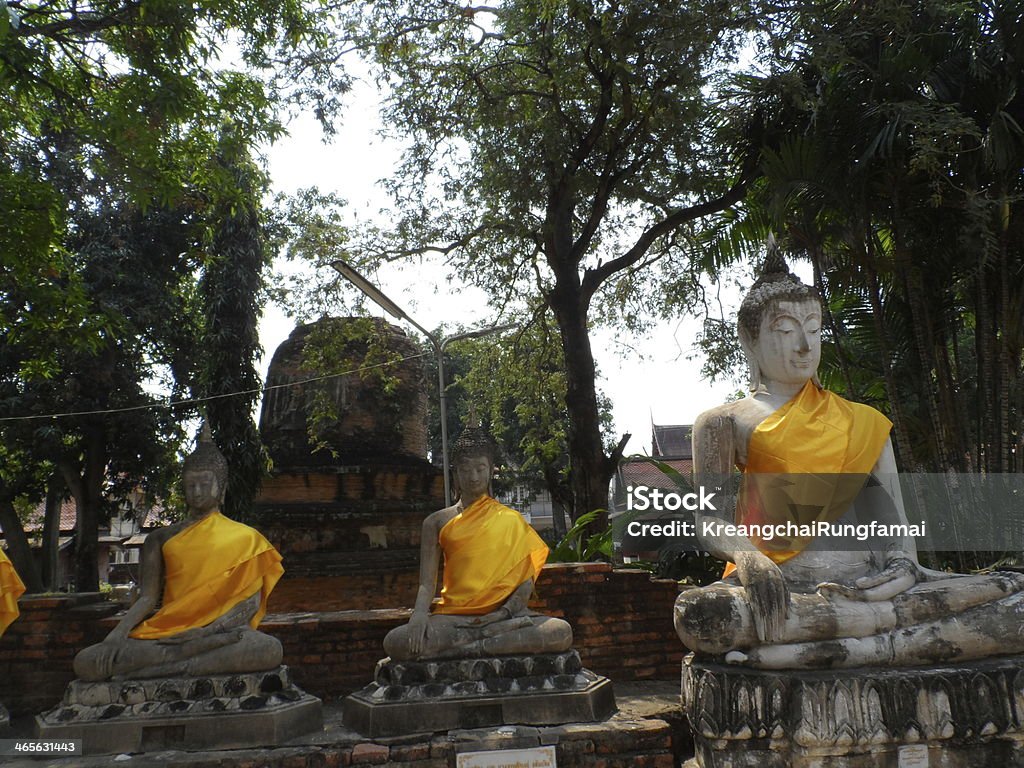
<point x="37" y="650"/>
<point x="343" y="592"/>
<point x="622" y="622"/>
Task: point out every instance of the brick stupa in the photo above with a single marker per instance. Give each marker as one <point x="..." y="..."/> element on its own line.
<point x="346" y="515"/>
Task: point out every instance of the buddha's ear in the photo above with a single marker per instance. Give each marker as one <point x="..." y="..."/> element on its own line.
<point x="753" y="367"/>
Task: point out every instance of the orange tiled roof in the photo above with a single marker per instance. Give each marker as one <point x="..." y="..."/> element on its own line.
<point x="155" y="518"/>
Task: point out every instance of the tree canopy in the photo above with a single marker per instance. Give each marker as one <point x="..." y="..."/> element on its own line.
<point x="115" y="200"/>
<point x="902" y="179"/>
<point x="557" y="151"/>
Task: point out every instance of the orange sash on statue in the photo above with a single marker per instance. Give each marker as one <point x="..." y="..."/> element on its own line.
<point x="806" y="463"/>
<point x="209" y="568"/>
<point x="489" y="551"/>
<point x="11" y="588"/>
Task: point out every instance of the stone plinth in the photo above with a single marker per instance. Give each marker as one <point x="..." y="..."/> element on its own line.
<point x="431" y="696"/>
<point x="224" y="711"/>
<point x="963" y="716"/>
<point x="638" y="736"/>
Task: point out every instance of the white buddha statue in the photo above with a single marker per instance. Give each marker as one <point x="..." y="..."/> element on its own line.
<point x="809" y="456"/>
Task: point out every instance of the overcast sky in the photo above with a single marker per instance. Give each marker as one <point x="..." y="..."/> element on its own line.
<point x="644" y="377"/>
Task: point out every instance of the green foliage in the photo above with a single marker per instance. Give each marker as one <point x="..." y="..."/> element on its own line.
<point x="580" y="546"/>
<point x="308" y="227"/>
<point x="516" y="383"/>
<point x="111" y="182"/>
<point x="556" y="151"/>
<point x="231" y="295"/>
<point x="902" y="180"/>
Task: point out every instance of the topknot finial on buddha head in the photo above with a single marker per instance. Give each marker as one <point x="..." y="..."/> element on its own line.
<point x="207" y="456"/>
<point x="474" y="441"/>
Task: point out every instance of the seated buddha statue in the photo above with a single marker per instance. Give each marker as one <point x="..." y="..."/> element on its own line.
<point x="205" y="584"/>
<point x="11" y="588"/>
<point x="809" y="456"/>
<point x="492" y="558"/>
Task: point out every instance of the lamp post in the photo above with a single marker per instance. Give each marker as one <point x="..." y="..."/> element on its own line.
<point x="374" y="293"/>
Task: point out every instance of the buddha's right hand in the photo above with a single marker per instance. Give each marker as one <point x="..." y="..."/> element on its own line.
<point x="417" y="633"/>
<point x="767" y="592"/>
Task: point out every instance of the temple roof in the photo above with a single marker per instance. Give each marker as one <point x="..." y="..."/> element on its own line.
<point x="672" y="440"/>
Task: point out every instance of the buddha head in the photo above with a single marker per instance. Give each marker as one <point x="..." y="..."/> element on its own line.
<point x="474" y="456"/>
<point x="779" y="325"/>
<point x="205" y="475"/>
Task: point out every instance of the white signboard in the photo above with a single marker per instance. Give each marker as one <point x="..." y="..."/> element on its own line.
<point x="913" y="756"/>
<point x="537" y="757"/>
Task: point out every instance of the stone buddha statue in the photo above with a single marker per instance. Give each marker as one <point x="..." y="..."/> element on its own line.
<point x="205" y="584"/>
<point x="808" y="456"/>
<point x="492" y="558"/>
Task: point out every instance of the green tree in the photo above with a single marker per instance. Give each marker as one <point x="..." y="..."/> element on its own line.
<point x="110" y="120"/>
<point x="557" y="151"/>
<point x="112" y="437"/>
<point x="515" y="382"/>
<point x="902" y="179"/>
<point x="231" y="294"/>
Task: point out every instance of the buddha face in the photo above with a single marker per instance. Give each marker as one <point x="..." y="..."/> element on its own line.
<point x="788" y="348"/>
<point x="473" y="474"/>
<point x="202" y="490"/>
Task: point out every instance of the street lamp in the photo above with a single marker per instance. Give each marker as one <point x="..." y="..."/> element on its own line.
<point x="374" y="293"/>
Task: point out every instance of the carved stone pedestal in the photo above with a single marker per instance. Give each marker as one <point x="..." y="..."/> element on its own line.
<point x="429" y="696"/>
<point x="224" y="711"/>
<point x="964" y="716"/>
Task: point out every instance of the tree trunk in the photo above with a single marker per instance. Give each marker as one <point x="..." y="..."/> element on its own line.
<point x="590" y="470"/>
<point x="87" y="490"/>
<point x="922" y="339"/>
<point x="984" y="341"/>
<point x="561" y="499"/>
<point x="903" y="450"/>
<point x="48" y="564"/>
<point x="1005" y="361"/>
<point x="18" y="547"/>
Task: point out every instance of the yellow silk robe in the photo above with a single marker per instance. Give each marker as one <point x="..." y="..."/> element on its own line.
<point x="11" y="588"/>
<point x="825" y="447"/>
<point x="210" y="567"/>
<point x="489" y="551"/>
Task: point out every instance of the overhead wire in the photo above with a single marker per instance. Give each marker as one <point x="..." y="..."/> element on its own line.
<point x="199" y="400"/>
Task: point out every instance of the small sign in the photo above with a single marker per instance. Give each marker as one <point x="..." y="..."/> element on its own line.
<point x="913" y="756"/>
<point x="537" y="757"/>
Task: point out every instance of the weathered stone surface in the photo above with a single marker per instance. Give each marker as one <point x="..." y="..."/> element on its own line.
<point x="453" y="671"/>
<point x="967" y="716"/>
<point x="637" y="735"/>
<point x="264" y="708"/>
<point x="371" y="423"/>
<point x="430" y="696"/>
<point x="132" y="692"/>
